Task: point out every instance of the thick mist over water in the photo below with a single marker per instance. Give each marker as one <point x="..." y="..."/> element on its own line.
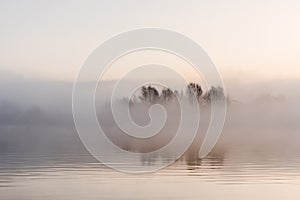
<point x="262" y="120"/>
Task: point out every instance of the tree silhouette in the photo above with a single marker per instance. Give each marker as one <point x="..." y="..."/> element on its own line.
<point x="214" y="94"/>
<point x="194" y="89"/>
<point x="167" y="94"/>
<point x="149" y="94"/>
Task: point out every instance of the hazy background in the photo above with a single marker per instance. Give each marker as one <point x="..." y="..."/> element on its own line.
<point x="254" y="44"/>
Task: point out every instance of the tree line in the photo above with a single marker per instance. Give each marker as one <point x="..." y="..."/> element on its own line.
<point x="193" y="91"/>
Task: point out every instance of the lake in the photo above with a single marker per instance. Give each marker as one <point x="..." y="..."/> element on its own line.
<point x="68" y="176"/>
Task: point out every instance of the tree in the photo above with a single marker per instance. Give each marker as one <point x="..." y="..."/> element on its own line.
<point x="214" y="94"/>
<point x="194" y="89"/>
<point x="167" y="94"/>
<point x="149" y="94"/>
<point x="144" y="93"/>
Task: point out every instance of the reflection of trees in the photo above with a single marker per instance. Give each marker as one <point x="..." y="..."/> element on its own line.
<point x="148" y="160"/>
<point x="212" y="161"/>
<point x="193" y="162"/>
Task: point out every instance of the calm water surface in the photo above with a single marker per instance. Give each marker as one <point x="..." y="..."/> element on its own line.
<point x="215" y="177"/>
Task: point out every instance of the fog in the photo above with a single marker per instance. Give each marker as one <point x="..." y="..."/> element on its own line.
<point x="262" y="120"/>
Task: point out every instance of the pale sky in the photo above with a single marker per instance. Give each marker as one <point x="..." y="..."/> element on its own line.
<point x="49" y="40"/>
